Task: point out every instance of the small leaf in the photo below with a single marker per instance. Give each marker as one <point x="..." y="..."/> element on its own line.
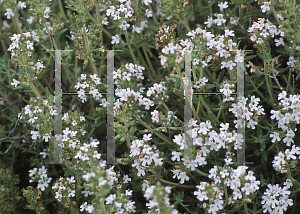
<point x="149" y="46"/>
<point x="60" y="32"/>
<point x="177" y="83"/>
<point x="261" y="56"/>
<point x="250" y="57"/>
<point x="264" y="155"/>
<point x="298" y="76"/>
<point x="74" y="211"/>
<point x="69" y="172"/>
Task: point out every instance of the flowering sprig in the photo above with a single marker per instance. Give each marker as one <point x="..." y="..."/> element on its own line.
<point x="40" y="176"/>
<point x="276" y="199"/>
<point x="158" y="197"/>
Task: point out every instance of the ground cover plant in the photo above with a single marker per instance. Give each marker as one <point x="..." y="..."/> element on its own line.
<point x="151" y="173"/>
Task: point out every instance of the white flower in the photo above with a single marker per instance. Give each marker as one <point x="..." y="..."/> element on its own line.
<point x="148" y="13"/>
<point x="38" y="65"/>
<point x="147" y="137"/>
<point x="9" y="13"/>
<point x="223" y="5"/>
<point x="5" y="25"/>
<point x="234" y="21"/>
<point x="29" y="45"/>
<point x="289" y="137"/>
<point x="126" y="178"/>
<point x="275" y="137"/>
<point x="35" y="134"/>
<point x="124" y="26"/>
<point x="276" y="199"/>
<point x="291" y="61"/>
<point x="265" y="7"/>
<point x="49" y="27"/>
<point x="46" y="12"/>
<point x="182" y="176"/>
<point x="155" y="116"/>
<point x="209" y="22"/>
<point x="115" y="39"/>
<point x="46" y="137"/>
<point x="280" y="17"/>
<point x="219" y="20"/>
<point x="229" y="33"/>
<point x="279" y="42"/>
<point x="22" y="5"/>
<point x="15" y="83"/>
<point x="146" y="2"/>
<point x="104" y="21"/>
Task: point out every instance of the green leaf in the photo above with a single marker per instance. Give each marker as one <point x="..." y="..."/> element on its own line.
<point x="298" y="76"/>
<point x="259" y="132"/>
<point x="149" y="46"/>
<point x="261" y="56"/>
<point x="177" y="83"/>
<point x="221" y="74"/>
<point x="263" y="145"/>
<point x="250" y="57"/>
<point x="90" y="117"/>
<point x="60" y="32"/>
<point x="69" y="172"/>
<point x="118" y="46"/>
<point x="264" y="155"/>
<point x="74" y="211"/>
<point x="273" y="179"/>
<point x="41" y="42"/>
<point x="178" y="198"/>
<point x="137" y="42"/>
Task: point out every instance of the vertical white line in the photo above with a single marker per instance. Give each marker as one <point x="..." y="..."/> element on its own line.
<point x="187" y="107"/>
<point x="110" y="108"/>
<point x="240" y="120"/>
<point x="57" y="100"/>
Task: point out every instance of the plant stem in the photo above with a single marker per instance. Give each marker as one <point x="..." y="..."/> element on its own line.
<point x="153" y="15"/>
<point x="157" y="134"/>
<point x="268" y="84"/>
<point x="62" y="10"/>
<point x="168" y="182"/>
<point x="129" y="46"/>
<point x="166" y="107"/>
<point x="103" y="211"/>
<point x="201" y="173"/>
<point x="150" y="64"/>
<point x="16" y="21"/>
<point x="257" y="91"/>
<point x="183" y="22"/>
<point x="274" y="12"/>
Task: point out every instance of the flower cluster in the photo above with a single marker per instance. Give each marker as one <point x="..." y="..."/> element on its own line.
<point x="201" y="82"/>
<point x="288" y="115"/>
<point x="237" y="179"/>
<point x="227" y="91"/>
<point x="276" y="199"/>
<point x="37" y="114"/>
<point x="63" y="189"/>
<point x="251" y="113"/>
<point x="158" y="197"/>
<point x="145" y="156"/>
<point x="40" y="176"/>
<point x="281" y="161"/>
<point x="23" y="44"/>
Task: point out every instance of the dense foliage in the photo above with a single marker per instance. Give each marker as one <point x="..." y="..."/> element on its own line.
<point x="151" y="40"/>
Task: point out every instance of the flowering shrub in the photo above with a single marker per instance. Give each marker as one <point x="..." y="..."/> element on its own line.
<point x="151" y="173"/>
